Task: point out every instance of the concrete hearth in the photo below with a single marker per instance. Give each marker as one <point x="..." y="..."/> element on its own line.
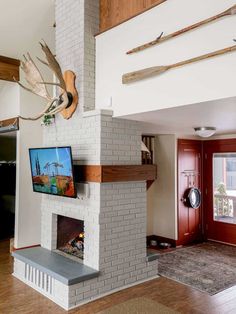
<point x="58" y="267"/>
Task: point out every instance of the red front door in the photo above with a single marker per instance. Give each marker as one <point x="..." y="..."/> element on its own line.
<point x="189" y="175"/>
<point x="220" y="190"/>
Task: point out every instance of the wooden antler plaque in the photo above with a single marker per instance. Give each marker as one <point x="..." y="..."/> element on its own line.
<point x="69" y="78"/>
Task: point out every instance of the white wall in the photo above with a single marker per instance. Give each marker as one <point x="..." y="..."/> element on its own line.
<point x="23" y="25"/>
<point x="9" y="100"/>
<point x="13" y="102"/>
<point x="202" y="81"/>
<point x="162" y="195"/>
<point x="28" y="203"/>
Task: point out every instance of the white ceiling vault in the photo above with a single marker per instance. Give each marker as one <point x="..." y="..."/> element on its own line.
<point x="181" y="120"/>
<point x="23" y="24"/>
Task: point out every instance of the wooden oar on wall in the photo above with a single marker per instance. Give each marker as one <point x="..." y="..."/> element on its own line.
<point x="153" y="71"/>
<point x="160" y="39"/>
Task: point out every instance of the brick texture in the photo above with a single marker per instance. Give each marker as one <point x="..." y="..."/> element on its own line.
<point x="76" y="23"/>
<point x="114" y="215"/>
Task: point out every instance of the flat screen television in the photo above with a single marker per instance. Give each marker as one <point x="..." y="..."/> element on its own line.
<point x="52" y="171"/>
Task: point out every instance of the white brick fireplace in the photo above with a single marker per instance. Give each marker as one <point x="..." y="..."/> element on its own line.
<point x="114" y="214"/>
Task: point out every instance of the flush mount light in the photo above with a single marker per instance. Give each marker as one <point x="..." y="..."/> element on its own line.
<point x="205" y="131"/>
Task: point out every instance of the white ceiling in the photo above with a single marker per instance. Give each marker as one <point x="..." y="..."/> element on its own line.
<point x="181" y="120"/>
<point x="23" y="24"/>
<point x="3" y="84"/>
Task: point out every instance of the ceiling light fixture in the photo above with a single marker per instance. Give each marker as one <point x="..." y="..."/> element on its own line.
<point x="205" y="131"/>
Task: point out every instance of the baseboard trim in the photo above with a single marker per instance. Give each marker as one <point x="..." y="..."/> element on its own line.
<point x="114" y="291"/>
<point x="226" y="243"/>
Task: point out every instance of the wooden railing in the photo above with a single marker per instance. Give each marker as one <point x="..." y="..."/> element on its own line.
<point x="224" y="205"/>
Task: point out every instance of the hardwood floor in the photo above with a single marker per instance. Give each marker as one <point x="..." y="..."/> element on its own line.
<point x="18" y="298"/>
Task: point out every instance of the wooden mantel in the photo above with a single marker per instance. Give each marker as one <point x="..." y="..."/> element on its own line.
<point x="103" y="174"/>
<point x="9" y="68"/>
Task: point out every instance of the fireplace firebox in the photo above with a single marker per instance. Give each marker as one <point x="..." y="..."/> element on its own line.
<point x="70" y="236"/>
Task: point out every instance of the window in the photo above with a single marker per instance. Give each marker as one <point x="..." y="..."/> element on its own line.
<point x="224" y="187"/>
<point x="147" y="158"/>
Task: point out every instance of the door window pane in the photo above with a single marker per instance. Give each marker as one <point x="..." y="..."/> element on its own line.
<point x="224" y="187"/>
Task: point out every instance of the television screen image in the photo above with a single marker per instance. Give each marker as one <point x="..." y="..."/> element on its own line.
<point x="52" y="171"/>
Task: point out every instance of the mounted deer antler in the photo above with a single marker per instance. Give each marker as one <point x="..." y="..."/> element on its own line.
<point x="66" y="102"/>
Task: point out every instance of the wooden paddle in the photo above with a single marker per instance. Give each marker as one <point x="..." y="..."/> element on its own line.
<point x="148" y="72"/>
<point x="160" y="39"/>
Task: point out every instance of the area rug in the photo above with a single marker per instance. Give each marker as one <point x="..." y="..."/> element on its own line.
<point x="139" y="306"/>
<point x="209" y="267"/>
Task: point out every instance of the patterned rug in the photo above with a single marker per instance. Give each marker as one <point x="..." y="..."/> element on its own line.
<point x="209" y="267"/>
<point x="139" y="306"/>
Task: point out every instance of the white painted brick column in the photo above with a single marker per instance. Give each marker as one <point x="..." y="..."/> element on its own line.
<point x="76" y="23"/>
<point x="114" y="214"/>
<point x="120" y="141"/>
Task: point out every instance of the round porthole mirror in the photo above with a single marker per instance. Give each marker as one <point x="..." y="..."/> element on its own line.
<point x="192" y="198"/>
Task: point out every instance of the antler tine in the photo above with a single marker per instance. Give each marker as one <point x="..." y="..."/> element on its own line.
<point x="44" y="44"/>
<point x="22" y="65"/>
<point x="41" y="43"/>
<point x="31" y="119"/>
<point x="46" y="111"/>
<point x="43" y="61"/>
<point x="159" y="37"/>
<point x="57" y="110"/>
<point x="50" y="83"/>
<point x="29" y="57"/>
<point x="24" y="87"/>
<point x="53" y="64"/>
<point x="41" y="114"/>
<point x="33" y="76"/>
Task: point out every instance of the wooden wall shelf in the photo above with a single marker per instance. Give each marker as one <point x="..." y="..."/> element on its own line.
<point x="103" y="174"/>
<point x="9" y="68"/>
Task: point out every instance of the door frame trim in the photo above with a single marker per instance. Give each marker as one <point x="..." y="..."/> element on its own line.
<point x="211" y="147"/>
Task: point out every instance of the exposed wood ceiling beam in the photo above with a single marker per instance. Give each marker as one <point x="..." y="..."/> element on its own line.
<point x="9" y="68"/>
